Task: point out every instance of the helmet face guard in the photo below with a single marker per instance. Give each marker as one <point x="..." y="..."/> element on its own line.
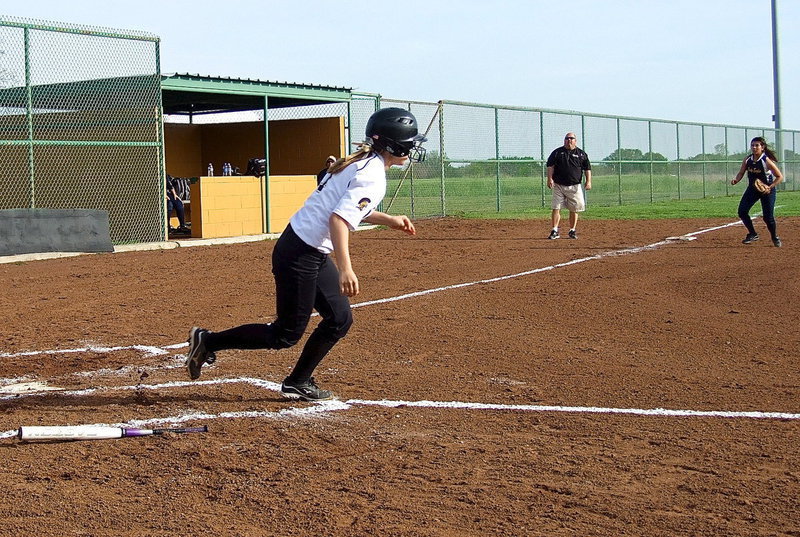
<point x="412" y="149"/>
<point x="417" y="154"/>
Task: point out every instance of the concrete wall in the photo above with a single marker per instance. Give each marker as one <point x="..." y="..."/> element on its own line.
<point x="233" y="206"/>
<point x="227" y="206"/>
<point x="26" y="231"/>
<point x="286" y="195"/>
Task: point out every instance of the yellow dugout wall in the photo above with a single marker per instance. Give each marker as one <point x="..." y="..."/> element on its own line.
<point x="235" y="205"/>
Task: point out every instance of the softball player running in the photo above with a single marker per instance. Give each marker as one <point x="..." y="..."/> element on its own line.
<point x="305" y="277"/>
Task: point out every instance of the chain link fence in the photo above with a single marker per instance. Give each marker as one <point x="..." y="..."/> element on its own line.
<point x="80" y="124"/>
<point x="81" y="127"/>
<point x="484" y="158"/>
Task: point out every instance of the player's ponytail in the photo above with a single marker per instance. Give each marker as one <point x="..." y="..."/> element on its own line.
<point x="363" y="151"/>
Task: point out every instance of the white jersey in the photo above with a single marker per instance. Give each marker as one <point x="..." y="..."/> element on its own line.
<point x="352" y="193"/>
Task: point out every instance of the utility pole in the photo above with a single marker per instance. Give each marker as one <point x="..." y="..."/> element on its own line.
<point x="776" y="82"/>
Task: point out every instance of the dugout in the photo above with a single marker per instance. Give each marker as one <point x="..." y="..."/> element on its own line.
<point x="100" y="132"/>
<point x="217" y="120"/>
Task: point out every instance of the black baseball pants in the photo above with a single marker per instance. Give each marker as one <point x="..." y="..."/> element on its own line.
<point x="749" y="198"/>
<point x="305" y="279"/>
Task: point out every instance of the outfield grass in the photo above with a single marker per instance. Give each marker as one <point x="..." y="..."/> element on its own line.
<point x="788" y="204"/>
<point x="631" y="196"/>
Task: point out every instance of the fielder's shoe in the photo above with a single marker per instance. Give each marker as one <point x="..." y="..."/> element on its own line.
<point x="554" y="234"/>
<point x="751" y="237"/>
<point x="198" y="354"/>
<point x="307" y="391"/>
<point x="777" y="241"/>
<point x="572" y="234"/>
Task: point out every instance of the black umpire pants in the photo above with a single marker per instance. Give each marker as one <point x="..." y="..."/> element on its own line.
<point x="305" y="279"/>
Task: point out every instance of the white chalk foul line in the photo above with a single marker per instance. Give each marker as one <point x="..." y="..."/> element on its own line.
<point x="582" y="409"/>
<point x="147" y="350"/>
<point x="336" y="405"/>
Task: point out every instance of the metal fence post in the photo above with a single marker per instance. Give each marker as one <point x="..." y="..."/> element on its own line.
<point x="543" y="166"/>
<point x="678" y="146"/>
<point x="442" y="159"/>
<point x="497" y="157"/>
<point x="583" y="136"/>
<point x="29" y="117"/>
<point x="619" y="163"/>
<point x="703" y="145"/>
<point x="794" y="156"/>
<point x="265" y="211"/>
<point x="162" y="158"/>
<point x="650" y="150"/>
<point x="727" y="162"/>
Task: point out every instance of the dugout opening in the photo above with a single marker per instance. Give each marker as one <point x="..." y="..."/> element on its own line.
<point x="212" y="120"/>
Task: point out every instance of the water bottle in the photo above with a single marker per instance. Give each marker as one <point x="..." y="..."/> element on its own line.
<point x="210" y="171"/>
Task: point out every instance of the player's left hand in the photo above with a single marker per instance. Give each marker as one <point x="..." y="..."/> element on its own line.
<point x="404" y="223"/>
<point x="348" y="283"/>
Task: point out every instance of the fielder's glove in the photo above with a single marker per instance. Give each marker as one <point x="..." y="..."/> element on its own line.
<point x="761" y="186"/>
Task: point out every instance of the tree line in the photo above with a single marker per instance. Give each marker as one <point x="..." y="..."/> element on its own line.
<point x="633" y="161"/>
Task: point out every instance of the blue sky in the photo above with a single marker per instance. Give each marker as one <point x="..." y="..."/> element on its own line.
<point x="691" y="60"/>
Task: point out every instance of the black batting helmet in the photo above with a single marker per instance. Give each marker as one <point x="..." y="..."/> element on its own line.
<point x="395" y="130"/>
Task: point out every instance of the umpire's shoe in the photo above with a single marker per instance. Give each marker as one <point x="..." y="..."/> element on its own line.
<point x="198" y="354"/>
<point x="306" y="391"/>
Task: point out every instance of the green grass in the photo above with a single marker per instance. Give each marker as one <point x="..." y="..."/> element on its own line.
<point x="788" y="204"/>
<point x="629" y="196"/>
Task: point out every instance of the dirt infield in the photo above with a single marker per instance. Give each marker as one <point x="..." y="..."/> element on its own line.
<point x="515" y="407"/>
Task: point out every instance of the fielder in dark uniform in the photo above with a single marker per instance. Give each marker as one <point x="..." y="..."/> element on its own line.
<point x="305" y="276"/>
<point x="759" y="165"/>
<point x="565" y="168"/>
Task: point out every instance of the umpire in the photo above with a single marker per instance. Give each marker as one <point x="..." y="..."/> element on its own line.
<point x="565" y="166"/>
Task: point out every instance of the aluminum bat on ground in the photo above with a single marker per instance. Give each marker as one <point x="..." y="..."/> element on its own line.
<point x="94" y="432"/>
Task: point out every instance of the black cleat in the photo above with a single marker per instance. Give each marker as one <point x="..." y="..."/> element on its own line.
<point x="306" y="391"/>
<point x="777" y="242"/>
<point x="572" y="234"/>
<point x="751" y="237"/>
<point x="198" y="354"/>
<point x="554" y="234"/>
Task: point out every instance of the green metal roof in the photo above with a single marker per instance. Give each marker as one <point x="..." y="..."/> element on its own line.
<point x="201" y="94"/>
